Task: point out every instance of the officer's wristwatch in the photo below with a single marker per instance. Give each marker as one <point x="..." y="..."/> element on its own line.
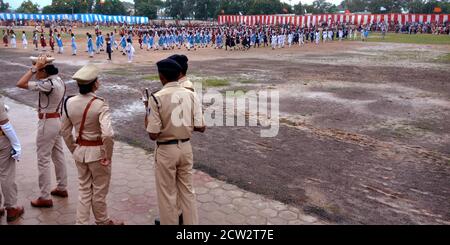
<point x="33" y="70"/>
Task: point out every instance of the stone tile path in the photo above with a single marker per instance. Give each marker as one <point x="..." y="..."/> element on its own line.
<point x="132" y="196"/>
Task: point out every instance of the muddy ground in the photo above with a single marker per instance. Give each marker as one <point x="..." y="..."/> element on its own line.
<point x="364" y="135"/>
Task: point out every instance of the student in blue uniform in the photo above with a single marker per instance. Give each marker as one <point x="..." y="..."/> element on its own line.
<point x="162" y="41"/>
<point x="60" y="44"/>
<point x="144" y="40"/>
<point x="151" y="41"/>
<point x="74" y="45"/>
<point x="219" y="41"/>
<point x="123" y="43"/>
<point x="90" y="45"/>
<point x="97" y="43"/>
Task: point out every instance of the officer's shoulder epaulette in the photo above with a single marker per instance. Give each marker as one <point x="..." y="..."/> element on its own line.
<point x="100" y="98"/>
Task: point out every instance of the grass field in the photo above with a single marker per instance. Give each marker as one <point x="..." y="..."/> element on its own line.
<point x="406" y="38"/>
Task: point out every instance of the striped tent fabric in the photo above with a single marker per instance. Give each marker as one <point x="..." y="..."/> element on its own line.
<point x="356" y="19"/>
<point x="85" y="18"/>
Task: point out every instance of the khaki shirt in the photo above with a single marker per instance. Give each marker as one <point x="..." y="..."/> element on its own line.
<point x="4" y="142"/>
<point x="186" y="83"/>
<point x="3" y="115"/>
<point x="174" y="113"/>
<point x="53" y="102"/>
<point x="97" y="127"/>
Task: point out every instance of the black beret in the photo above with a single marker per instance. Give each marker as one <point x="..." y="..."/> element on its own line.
<point x="168" y="65"/>
<point x="182" y="60"/>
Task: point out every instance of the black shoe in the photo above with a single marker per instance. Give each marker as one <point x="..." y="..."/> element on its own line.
<point x="180" y="220"/>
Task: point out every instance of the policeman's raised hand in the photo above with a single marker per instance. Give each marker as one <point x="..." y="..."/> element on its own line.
<point x="105" y="162"/>
<point x="41" y="62"/>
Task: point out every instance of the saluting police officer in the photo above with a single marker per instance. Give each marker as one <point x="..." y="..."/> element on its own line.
<point x="174" y="114"/>
<point x="49" y="144"/>
<point x="92" y="148"/>
<point x="10" y="151"/>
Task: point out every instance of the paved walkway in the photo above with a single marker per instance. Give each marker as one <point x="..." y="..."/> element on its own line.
<point x="132" y="196"/>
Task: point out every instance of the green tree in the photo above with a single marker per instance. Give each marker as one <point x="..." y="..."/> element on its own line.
<point x="66" y="7"/>
<point x="355" y="5"/>
<point x="110" y="7"/>
<point x="234" y="6"/>
<point x="148" y="8"/>
<point x="177" y="9"/>
<point x="265" y="7"/>
<point x="28" y="7"/>
<point x="299" y="9"/>
<point x="4" y="7"/>
<point x="391" y="6"/>
<point x="322" y="6"/>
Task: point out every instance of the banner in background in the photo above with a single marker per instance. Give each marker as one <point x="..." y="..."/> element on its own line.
<point x="85" y="18"/>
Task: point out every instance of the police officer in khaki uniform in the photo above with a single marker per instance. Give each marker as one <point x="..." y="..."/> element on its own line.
<point x="49" y="142"/>
<point x="174" y="113"/>
<point x="92" y="148"/>
<point x="184" y="81"/>
<point x="10" y="151"/>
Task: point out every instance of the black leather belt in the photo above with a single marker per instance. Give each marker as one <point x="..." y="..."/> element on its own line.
<point x="172" y="142"/>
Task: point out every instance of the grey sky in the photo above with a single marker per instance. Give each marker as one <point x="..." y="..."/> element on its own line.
<point x="42" y="3"/>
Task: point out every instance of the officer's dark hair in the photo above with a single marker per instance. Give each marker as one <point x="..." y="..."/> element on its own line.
<point x="87" y="88"/>
<point x="170" y="75"/>
<point x="51" y="70"/>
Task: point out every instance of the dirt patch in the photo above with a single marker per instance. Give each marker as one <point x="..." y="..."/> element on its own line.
<point x="359" y="143"/>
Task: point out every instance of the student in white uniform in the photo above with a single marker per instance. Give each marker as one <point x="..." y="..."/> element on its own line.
<point x="317" y="36"/>
<point x="129" y="50"/>
<point x="341" y="35"/>
<point x="280" y="40"/>
<point x="24" y="40"/>
<point x="13" y="40"/>
<point x="274" y="41"/>
<point x="324" y="35"/>
<point x="330" y="35"/>
<point x="301" y="38"/>
<point x="290" y="39"/>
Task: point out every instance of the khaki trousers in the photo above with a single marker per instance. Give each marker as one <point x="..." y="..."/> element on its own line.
<point x="7" y="174"/>
<point x="174" y="184"/>
<point x="50" y="147"/>
<point x="93" y="188"/>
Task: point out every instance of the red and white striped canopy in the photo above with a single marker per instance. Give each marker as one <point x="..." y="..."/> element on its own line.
<point x="357" y="19"/>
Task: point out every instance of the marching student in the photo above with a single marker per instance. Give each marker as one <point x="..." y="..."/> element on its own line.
<point x="108" y="46"/>
<point x="114" y="42"/>
<point x="90" y="46"/>
<point x="129" y="50"/>
<point x="290" y="39"/>
<point x="43" y="42"/>
<point x="123" y="43"/>
<point x="24" y="40"/>
<point x="35" y="40"/>
<point x="60" y="44"/>
<point x="301" y="38"/>
<point x="274" y="41"/>
<point x="51" y="41"/>
<point x="5" y="38"/>
<point x="317" y="36"/>
<point x="74" y="45"/>
<point x="13" y="40"/>
<point x="97" y="43"/>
